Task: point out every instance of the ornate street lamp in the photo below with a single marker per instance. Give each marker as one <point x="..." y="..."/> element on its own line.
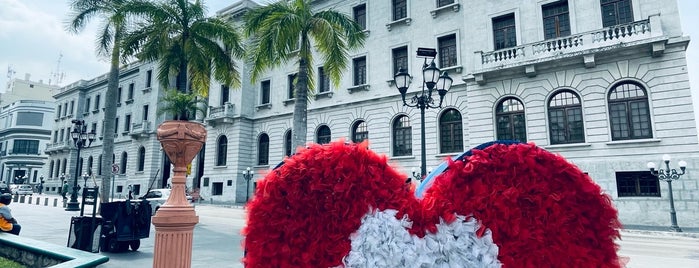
<point x="247" y="174"/>
<point x="423" y="99"/>
<point x="669" y="175"/>
<point x="85" y="177"/>
<point x="81" y="139"/>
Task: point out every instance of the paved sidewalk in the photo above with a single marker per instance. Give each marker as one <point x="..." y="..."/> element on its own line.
<point x="216" y="241"/>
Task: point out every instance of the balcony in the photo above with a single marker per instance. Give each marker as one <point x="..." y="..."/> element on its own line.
<point x="58" y="146"/>
<point x="584" y="46"/>
<point x="221" y="115"/>
<point x="139" y="130"/>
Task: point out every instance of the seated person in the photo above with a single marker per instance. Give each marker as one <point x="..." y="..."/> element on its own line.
<point x="8" y="224"/>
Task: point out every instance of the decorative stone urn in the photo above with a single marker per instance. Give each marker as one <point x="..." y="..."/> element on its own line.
<point x="174" y="221"/>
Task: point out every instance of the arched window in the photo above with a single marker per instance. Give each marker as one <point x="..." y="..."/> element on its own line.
<point x="450" y="132"/>
<point x="359" y="131"/>
<point x="263" y="150"/>
<point x="565" y="118"/>
<point x="510" y="120"/>
<point x="221" y="151"/>
<point x="402" y="136"/>
<point x="89" y="165"/>
<point x="287" y="143"/>
<point x="323" y="135"/>
<point x="629" y="114"/>
<point x="141" y="158"/>
<point x="124" y="159"/>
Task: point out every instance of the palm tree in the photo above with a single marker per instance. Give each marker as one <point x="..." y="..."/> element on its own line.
<point x="114" y="14"/>
<point x="278" y="29"/>
<point x="186" y="44"/>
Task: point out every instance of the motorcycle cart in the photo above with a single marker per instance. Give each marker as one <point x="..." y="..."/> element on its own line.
<point x="124" y="223"/>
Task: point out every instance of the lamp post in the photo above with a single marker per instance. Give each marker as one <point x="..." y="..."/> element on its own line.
<point x="85" y="177"/>
<point x="669" y="175"/>
<point x="423" y="99"/>
<point x="81" y="139"/>
<point x="63" y="178"/>
<point x="247" y="174"/>
<point x="41" y="184"/>
<point x="416" y="175"/>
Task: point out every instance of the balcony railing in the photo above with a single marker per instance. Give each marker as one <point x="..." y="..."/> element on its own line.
<point x="142" y="129"/>
<point x="58" y="146"/>
<point x="638" y="32"/>
<point x="221" y="114"/>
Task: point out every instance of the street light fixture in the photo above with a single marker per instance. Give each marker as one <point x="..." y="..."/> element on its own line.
<point x="81" y="139"/>
<point x="247" y="174"/>
<point x="423" y="99"/>
<point x="60" y="187"/>
<point x="85" y="177"/>
<point x="669" y="175"/>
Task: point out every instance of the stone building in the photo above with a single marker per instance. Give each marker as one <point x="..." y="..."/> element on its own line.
<point x="603" y="83"/>
<point x="24" y="132"/>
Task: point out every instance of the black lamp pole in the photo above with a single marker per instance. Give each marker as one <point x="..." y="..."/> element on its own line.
<point x="81" y="139"/>
<point x="669" y="175"/>
<point x="423" y="99"/>
<point x="247" y="174"/>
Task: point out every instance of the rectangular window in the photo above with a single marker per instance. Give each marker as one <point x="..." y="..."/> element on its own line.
<point x="637" y="183"/>
<point x="206" y="182"/>
<point x="136" y="189"/>
<point x="119" y="188"/>
<point x="447" y="51"/>
<point x="30" y="119"/>
<point x="97" y="103"/>
<point x="400" y="59"/>
<point x="292" y="85"/>
<point x="65" y="109"/>
<point x="359" y="65"/>
<point x="72" y="106"/>
<point x="130" y="93"/>
<point x="360" y="15"/>
<point x="225" y="94"/>
<point x="615" y="12"/>
<point x="25" y="147"/>
<point x="87" y="105"/>
<point x="58" y="111"/>
<point x="149" y="76"/>
<point x="323" y="81"/>
<point x="127" y="123"/>
<point x="145" y="112"/>
<point x="116" y="125"/>
<point x="504" y="31"/>
<point x="400" y="9"/>
<point x="556" y="20"/>
<point x="217" y="188"/>
<point x="441" y="3"/>
<point x="264" y="88"/>
<point x="94" y="128"/>
<point x="229" y="183"/>
<point x="118" y="95"/>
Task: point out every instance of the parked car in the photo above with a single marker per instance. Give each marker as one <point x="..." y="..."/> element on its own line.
<point x="4" y="189"/>
<point x="21" y="189"/>
<point x="157" y="198"/>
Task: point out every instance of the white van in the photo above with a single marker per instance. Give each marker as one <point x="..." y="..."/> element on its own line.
<point x="21" y="189"/>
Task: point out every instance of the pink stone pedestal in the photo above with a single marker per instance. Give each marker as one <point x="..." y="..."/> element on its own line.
<point x="174" y="222"/>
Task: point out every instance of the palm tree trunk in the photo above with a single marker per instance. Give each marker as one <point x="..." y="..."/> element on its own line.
<point x="110" y="118"/>
<point x="300" y="128"/>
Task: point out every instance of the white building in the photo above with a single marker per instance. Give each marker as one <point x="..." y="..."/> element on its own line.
<point x="26" y="89"/>
<point x="603" y="83"/>
<point x="25" y="129"/>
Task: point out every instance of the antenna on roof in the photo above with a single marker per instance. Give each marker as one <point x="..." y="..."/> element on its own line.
<point x="57" y="75"/>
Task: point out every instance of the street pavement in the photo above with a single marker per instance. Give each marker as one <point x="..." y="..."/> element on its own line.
<point x="217" y="239"/>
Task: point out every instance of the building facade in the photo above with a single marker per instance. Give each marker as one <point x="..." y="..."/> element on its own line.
<point x="603" y="83"/>
<point x="25" y="131"/>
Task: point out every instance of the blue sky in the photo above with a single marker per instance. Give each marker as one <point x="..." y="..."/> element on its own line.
<point x="32" y="39"/>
